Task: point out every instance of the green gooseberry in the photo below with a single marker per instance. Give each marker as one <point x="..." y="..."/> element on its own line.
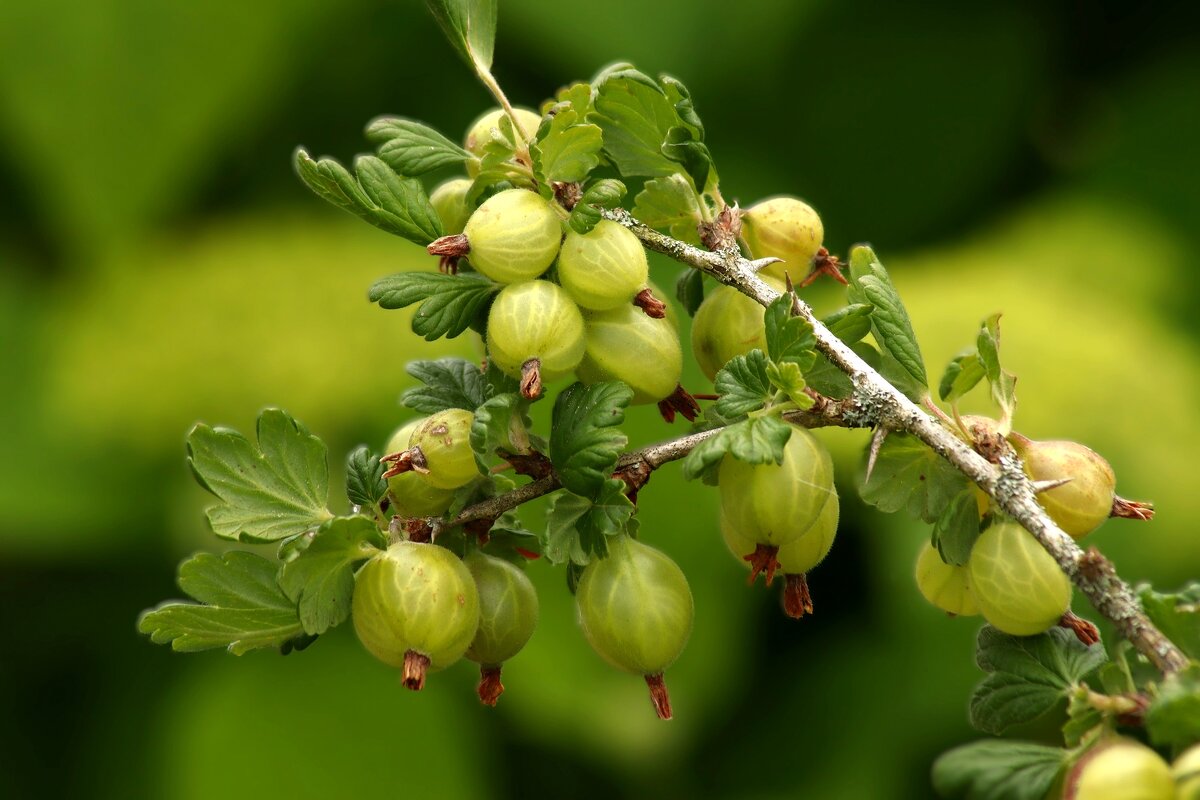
<point x="445" y="442"/>
<point x="625" y="344"/>
<point x="786" y="228"/>
<point x="508" y="614"/>
<point x="604" y="268"/>
<point x="1017" y="584"/>
<point x="513" y="236"/>
<point x="535" y="320"/>
<point x="945" y="586"/>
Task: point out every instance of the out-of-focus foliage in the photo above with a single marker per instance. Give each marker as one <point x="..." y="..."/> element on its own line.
<point x="160" y="263"/>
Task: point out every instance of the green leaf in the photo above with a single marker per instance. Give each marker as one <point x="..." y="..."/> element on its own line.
<point x="743" y="385"/>
<point x="756" y="441"/>
<point x="1028" y="675"/>
<point x="1003" y="383"/>
<point x="606" y="193"/>
<point x="1176" y="615"/>
<point x="321" y="579"/>
<point x="365" y="485"/>
<point x="635" y="115"/>
<point x="445" y="383"/>
<point x="669" y="203"/>
<point x="1082" y="717"/>
<point x="787" y="378"/>
<point x="998" y="770"/>
<point x="1173" y="719"/>
<point x="577" y="528"/>
<point x="789" y="338"/>
<point x="578" y="95"/>
<point x="689" y="290"/>
<point x="240" y="608"/>
<point x="830" y="381"/>
<point x="908" y="475"/>
<point x="681" y="145"/>
<point x="268" y="492"/>
<point x="502" y="423"/>
<point x="412" y="148"/>
<point x="679" y="95"/>
<point x="957" y="527"/>
<point x="375" y="193"/>
<point x="449" y="303"/>
<point x="871" y="284"/>
<point x="961" y="376"/>
<point x="585" y="440"/>
<point x="566" y="148"/>
<point x="470" y="25"/>
<point x="850" y="324"/>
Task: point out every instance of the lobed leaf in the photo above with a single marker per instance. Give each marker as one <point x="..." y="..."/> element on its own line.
<point x="585" y="440"/>
<point x="445" y="383"/>
<point x="412" y="148"/>
<point x="961" y="376"/>
<point x="759" y="440"/>
<point x="635" y="116"/>
<point x="577" y="528"/>
<point x="743" y="385"/>
<point x="321" y="579"/>
<point x="375" y="193"/>
<point x="1002" y="382"/>
<point x="449" y="303"/>
<point x="501" y="423"/>
<point x="851" y="323"/>
<point x="365" y="484"/>
<point x="998" y="770"/>
<point x="1027" y="675"/>
<point x="670" y="203"/>
<point x="871" y="284"/>
<point x="789" y="338"/>
<point x="605" y="193"/>
<point x="241" y="607"/>
<point x="1176" y="615"/>
<point x="470" y="25"/>
<point x="269" y="491"/>
<point x="566" y="148"/>
<point x="909" y="475"/>
<point x="1173" y="719"/>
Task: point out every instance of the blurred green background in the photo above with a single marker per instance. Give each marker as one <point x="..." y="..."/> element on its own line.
<point x="160" y="264"/>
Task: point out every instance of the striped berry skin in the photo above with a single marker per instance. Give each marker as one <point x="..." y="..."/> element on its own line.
<point x="513" y="236"/>
<point x="480" y="132"/>
<point x="1017" y="584"/>
<point x="1081" y="505"/>
<point x="801" y="554"/>
<point x="449" y="200"/>
<point x="535" y="319"/>
<point x="945" y="586"/>
<point x="774" y="504"/>
<point x="445" y="442"/>
<point x="627" y="345"/>
<point x="604" y="268"/>
<point x="508" y="609"/>
<point x="411" y="495"/>
<point x="1122" y="769"/>
<point x="728" y="324"/>
<point x="786" y="228"/>
<point x="415" y="601"/>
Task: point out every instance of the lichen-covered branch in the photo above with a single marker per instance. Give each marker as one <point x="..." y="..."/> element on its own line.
<point x="884" y="406"/>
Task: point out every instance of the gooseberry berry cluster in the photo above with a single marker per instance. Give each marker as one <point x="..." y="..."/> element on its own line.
<point x="541" y="256"/>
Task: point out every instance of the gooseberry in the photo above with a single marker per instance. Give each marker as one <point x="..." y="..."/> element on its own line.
<point x="410" y="495"/>
<point x="1121" y="770"/>
<point x="1018" y="586"/>
<point x="487" y="125"/>
<point x="946" y="586"/>
<point x="449" y="200"/>
<point x="728" y="324"/>
<point x="786" y="228"/>
<point x="445" y="442"/>
<point x="513" y="236"/>
<point x="535" y="333"/>
<point x="1186" y="771"/>
<point x="1082" y="504"/>
<point x="415" y="607"/>
<point x="636" y="610"/>
<point x="508" y="613"/>
<point x="604" y="268"/>
<point x="625" y="344"/>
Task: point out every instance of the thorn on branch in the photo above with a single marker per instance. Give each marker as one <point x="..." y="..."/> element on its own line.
<point x="877" y="439"/>
<point x="1045" y="486"/>
<point x="1132" y="509"/>
<point x="651" y="305"/>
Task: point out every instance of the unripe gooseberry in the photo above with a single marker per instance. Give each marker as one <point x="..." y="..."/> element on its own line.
<point x="1017" y="584"/>
<point x="636" y="611"/>
<point x="604" y="268"/>
<point x="625" y="344"/>
<point x="481" y="131"/>
<point x="1121" y="770"/>
<point x="449" y="200"/>
<point x="786" y="228"/>
<point x="411" y="495"/>
<point x="445" y="442"/>
<point x="513" y="236"/>
<point x="1082" y="504"/>
<point x="415" y="606"/>
<point x="535" y="320"/>
<point x="1186" y="771"/>
<point x="774" y="504"/>
<point x="946" y="586"/>
<point x="728" y="324"/>
<point x="508" y="613"/>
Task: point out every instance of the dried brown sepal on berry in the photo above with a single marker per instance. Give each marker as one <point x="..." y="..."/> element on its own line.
<point x="567" y="195"/>
<point x="490" y="688"/>
<point x="659" y="696"/>
<point x="531" y="379"/>
<point x="797" y="601"/>
<point x="416" y="666"/>
<point x="651" y="305"/>
<point x="681" y="402"/>
<point x="454" y="246"/>
<point x="1132" y="509"/>
<point x="1084" y="631"/>
<point x="824" y="264"/>
<point x="410" y="460"/>
<point x="763" y="561"/>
